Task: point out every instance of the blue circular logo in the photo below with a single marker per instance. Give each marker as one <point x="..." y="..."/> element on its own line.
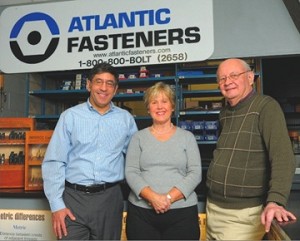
<point x="34" y="37"/>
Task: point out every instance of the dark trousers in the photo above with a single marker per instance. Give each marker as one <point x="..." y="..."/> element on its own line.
<point x="98" y="215"/>
<point x="176" y="224"/>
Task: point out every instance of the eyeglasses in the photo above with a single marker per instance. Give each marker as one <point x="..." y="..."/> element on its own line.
<point x="232" y="76"/>
<point x="108" y="83"/>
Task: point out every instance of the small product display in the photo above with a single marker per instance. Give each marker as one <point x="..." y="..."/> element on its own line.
<point x="197" y="127"/>
<point x="16" y="135"/>
<point x="36" y="143"/>
<point x="37" y="153"/>
<point x="12" y="150"/>
<point x="294" y="136"/>
<point x="122" y="77"/>
<point x="203" y="130"/>
<point x="2" y="159"/>
<point x="190" y="73"/>
<point x="157" y="75"/>
<point x="144" y="73"/>
<point x="36" y="179"/>
<point x="80" y="82"/>
<point x="132" y="76"/>
<point x="67" y="85"/>
<point x="216" y="105"/>
<point x="16" y="158"/>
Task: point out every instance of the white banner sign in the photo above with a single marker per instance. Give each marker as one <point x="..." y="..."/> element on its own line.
<point x="79" y="34"/>
<point x="25" y="225"/>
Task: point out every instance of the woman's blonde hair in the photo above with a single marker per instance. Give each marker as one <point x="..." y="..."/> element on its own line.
<point x="159" y="88"/>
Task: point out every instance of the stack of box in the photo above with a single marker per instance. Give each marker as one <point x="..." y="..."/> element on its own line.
<point x="78" y="81"/>
<point x="203" y="130"/>
<point x="67" y="85"/>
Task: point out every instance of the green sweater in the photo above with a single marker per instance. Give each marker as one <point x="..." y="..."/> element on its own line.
<point x="253" y="162"/>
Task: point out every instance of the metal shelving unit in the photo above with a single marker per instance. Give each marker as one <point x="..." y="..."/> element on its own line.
<point x="191" y="82"/>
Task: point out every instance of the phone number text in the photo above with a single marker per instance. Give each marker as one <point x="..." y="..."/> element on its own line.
<point x="161" y="58"/>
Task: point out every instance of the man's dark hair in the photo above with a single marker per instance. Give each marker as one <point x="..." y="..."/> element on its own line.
<point x="103" y="68"/>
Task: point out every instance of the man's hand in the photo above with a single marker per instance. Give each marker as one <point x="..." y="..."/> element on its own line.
<point x="273" y="210"/>
<point x="58" y="222"/>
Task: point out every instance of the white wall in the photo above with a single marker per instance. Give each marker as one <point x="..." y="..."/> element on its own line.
<point x="256" y="28"/>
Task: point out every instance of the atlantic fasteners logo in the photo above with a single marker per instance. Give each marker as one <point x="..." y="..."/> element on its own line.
<point x="30" y="45"/>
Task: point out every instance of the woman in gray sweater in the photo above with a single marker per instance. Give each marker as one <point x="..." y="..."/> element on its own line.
<point x="163" y="167"/>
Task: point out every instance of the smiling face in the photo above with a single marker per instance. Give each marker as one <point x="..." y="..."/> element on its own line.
<point x="102" y="89"/>
<point x="237" y="87"/>
<point x="160" y="108"/>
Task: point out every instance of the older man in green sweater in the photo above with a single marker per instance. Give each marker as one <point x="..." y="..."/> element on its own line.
<point x="250" y="177"/>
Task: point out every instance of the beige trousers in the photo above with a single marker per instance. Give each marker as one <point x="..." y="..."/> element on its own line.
<point x="233" y="224"/>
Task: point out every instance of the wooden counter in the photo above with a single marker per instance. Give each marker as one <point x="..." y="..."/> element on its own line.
<point x="288" y="230"/>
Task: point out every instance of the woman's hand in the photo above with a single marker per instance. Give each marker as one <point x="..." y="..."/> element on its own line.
<point x="160" y="203"/>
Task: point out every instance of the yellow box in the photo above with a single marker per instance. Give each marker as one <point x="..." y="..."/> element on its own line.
<point x="202" y="225"/>
<point x="123" y="233"/>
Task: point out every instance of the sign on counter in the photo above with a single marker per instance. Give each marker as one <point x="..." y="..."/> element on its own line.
<point x="26" y="225"/>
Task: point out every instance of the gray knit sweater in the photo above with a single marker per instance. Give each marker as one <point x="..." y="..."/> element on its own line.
<point x="253" y="162"/>
<point x="162" y="165"/>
